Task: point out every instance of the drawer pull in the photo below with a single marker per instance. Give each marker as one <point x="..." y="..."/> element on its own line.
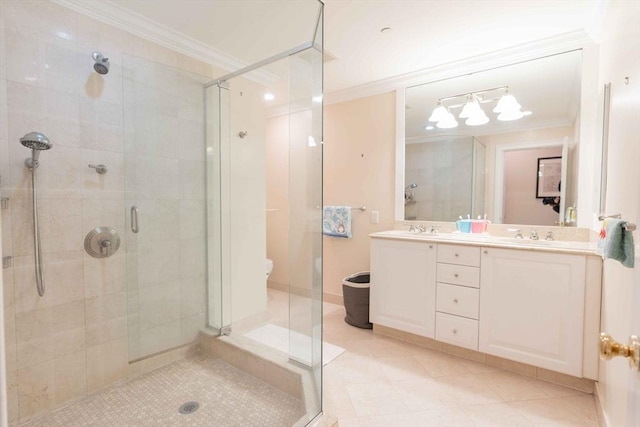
<point x="486" y="252"/>
<point x="430" y="246"/>
<point x="455" y="275"/>
<point x="455" y="300"/>
<point x="457" y="255"/>
<point x="455" y="331"/>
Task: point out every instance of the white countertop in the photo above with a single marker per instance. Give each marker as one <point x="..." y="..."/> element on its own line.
<point x="485" y="240"/>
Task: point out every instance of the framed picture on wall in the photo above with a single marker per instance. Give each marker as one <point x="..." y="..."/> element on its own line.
<point x="549" y="176"/>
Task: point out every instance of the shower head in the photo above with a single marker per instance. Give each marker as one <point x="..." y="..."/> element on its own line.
<point x="37" y="142"/>
<point x="101" y="63"/>
<point x="410" y="186"/>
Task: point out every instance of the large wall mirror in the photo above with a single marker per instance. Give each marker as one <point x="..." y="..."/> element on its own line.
<point x="502" y="143"/>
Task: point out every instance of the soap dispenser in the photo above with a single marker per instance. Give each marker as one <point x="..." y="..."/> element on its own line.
<point x="570" y="215"/>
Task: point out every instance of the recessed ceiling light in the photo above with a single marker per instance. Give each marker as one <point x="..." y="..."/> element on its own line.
<point x="269" y="96"/>
<point x="526" y="113"/>
<point x="317" y="99"/>
<point x="429" y="127"/>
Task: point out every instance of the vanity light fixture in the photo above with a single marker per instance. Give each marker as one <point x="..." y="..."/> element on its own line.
<point x="447" y="122"/>
<point x="269" y="96"/>
<point x="439" y="113"/>
<point x="507" y="108"/>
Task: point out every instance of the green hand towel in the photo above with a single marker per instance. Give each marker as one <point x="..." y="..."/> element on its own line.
<point x="619" y="243"/>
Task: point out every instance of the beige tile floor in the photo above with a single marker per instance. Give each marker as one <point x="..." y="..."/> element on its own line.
<point x="380" y="381"/>
<point x="227" y="397"/>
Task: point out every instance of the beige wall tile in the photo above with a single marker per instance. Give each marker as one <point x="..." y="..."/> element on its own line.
<point x="186" y="63"/>
<point x="12" y="397"/>
<point x="44" y="386"/>
<point x="49" y="333"/>
<point x="106" y="318"/>
<point x="107" y="363"/>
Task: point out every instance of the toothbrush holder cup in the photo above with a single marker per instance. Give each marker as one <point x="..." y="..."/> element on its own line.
<point x="479" y="225"/>
<point x="463" y="225"/>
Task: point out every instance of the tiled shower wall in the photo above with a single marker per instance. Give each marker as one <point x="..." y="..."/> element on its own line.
<point x="74" y="340"/>
<point x="430" y="166"/>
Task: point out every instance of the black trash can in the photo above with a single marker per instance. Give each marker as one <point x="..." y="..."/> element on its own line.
<point x="355" y="290"/>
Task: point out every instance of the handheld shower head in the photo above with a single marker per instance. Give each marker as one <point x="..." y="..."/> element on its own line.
<point x="37" y="142"/>
<point x="101" y="63"/>
<point x="410" y="186"/>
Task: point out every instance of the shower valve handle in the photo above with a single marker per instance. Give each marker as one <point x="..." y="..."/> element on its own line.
<point x="101" y="169"/>
<point x="105" y="247"/>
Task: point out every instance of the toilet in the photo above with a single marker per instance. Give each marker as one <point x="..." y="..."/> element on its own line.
<point x="268" y="267"/>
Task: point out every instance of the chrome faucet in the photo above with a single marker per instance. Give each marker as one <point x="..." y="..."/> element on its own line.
<point x="533" y="235"/>
<point x="549" y="236"/>
<point x="421" y="228"/>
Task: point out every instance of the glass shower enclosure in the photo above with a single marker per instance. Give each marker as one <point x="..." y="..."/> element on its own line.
<point x="247" y="121"/>
<point x="196" y="155"/>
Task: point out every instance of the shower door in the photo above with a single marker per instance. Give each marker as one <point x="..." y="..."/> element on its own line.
<point x="165" y="198"/>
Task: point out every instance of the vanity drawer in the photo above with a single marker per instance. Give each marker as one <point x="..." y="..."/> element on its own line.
<point x="457" y="330"/>
<point x="458" y="300"/>
<point x="458" y="275"/>
<point x="458" y="254"/>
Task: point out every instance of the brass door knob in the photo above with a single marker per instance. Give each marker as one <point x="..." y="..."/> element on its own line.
<point x="609" y="349"/>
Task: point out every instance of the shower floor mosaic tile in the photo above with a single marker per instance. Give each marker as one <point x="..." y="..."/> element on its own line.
<point x="227" y="397"/>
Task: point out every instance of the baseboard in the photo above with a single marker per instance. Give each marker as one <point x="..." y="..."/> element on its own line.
<point x="583" y="385"/>
<point x="602" y="418"/>
<point x="333" y="298"/>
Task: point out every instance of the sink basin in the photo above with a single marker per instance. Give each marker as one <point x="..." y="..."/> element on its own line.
<point x="514" y="241"/>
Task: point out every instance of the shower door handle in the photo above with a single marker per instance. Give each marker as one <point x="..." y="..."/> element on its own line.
<point x="135" y="228"/>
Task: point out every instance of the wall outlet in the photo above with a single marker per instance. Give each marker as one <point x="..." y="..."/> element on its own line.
<point x="375" y="217"/>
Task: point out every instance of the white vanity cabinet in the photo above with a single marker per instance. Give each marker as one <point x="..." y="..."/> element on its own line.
<point x="403" y="280"/>
<point x="457" y="295"/>
<point x="532" y="309"/>
<point x="536" y="306"/>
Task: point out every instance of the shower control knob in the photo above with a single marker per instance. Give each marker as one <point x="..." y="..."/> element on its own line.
<point x="100" y="169"/>
<point x="102" y="242"/>
<point x="105" y="247"/>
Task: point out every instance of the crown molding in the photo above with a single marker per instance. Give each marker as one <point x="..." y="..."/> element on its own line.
<point x="524" y="52"/>
<point x="139" y="25"/>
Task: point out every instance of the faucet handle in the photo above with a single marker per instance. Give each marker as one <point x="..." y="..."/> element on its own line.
<point x="549" y="236"/>
<point x="517" y="231"/>
<point x="421" y="228"/>
<point x="434" y="229"/>
<point x="411" y="228"/>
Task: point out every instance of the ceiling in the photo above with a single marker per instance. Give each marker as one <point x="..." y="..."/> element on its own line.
<point x="421" y="34"/>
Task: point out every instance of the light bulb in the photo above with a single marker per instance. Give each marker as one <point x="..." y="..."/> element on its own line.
<point x="269" y="96"/>
<point x="510" y="115"/>
<point x="477" y="119"/>
<point x="470" y="108"/>
<point x="507" y="103"/>
<point x="447" y="122"/>
<point x="439" y="113"/>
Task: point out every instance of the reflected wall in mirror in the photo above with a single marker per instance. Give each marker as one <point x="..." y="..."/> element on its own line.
<point x="444" y="178"/>
<point x="479" y="157"/>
